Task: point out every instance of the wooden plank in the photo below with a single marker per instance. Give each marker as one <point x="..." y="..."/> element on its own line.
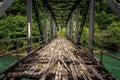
<point x="59" y="60"/>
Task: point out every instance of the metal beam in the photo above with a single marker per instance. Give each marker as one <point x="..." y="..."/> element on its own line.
<point x="45" y="32"/>
<point x="4" y="5"/>
<point x="61" y="8"/>
<point x="58" y="15"/>
<point x="60" y="1"/>
<point x="50" y="24"/>
<point x="54" y="25"/>
<point x="73" y="8"/>
<point x="76" y="30"/>
<point x="49" y="7"/>
<point x="72" y="26"/>
<point x="91" y="26"/>
<point x="84" y="14"/>
<point x="68" y="29"/>
<point x="114" y="6"/>
<point x="29" y="24"/>
<point x="55" y="30"/>
<point x="64" y="8"/>
<point x="37" y="15"/>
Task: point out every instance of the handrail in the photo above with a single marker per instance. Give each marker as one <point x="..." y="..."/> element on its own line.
<point x="102" y="39"/>
<point x="22" y="38"/>
<point x="7" y="53"/>
<point x="20" y="60"/>
<point x="17" y="39"/>
<point x="15" y="63"/>
<point x="117" y="58"/>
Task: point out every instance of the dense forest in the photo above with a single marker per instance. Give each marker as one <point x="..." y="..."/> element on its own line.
<point x="13" y="23"/>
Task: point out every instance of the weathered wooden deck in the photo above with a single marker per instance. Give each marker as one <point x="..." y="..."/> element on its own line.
<point x="59" y="60"/>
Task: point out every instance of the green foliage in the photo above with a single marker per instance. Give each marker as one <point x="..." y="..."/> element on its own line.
<point x="13" y="27"/>
<point x="13" y="22"/>
<point x="104" y="19"/>
<point x="85" y="32"/>
<point x="114" y="30"/>
<point x="62" y="32"/>
<point x="111" y="44"/>
<point x="17" y="7"/>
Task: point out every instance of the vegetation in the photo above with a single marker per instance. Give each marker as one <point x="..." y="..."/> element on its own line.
<point x="13" y="24"/>
<point x="62" y="32"/>
<point x="106" y="27"/>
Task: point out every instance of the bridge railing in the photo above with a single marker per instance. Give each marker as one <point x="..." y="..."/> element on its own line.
<point x="100" y="44"/>
<point x="18" y="45"/>
<point x="110" y="59"/>
<point x="18" y="51"/>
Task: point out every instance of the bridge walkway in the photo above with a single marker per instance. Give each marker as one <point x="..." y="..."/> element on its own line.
<point x="58" y="60"/>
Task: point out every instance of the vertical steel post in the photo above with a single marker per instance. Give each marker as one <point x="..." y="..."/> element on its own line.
<point x="50" y="25"/>
<point x="29" y="24"/>
<point x="101" y="56"/>
<point x="45" y="32"/>
<point x="91" y="26"/>
<point x="17" y="47"/>
<point x="68" y="29"/>
<point x="39" y="38"/>
<point x="76" y="31"/>
<point x="54" y="29"/>
<point x="72" y="27"/>
<point x="56" y="26"/>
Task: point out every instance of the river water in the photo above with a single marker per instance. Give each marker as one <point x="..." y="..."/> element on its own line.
<point x="112" y="65"/>
<point x="5" y="61"/>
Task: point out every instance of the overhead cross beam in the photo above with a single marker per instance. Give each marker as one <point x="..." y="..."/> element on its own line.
<point x="84" y="17"/>
<point x="50" y="9"/>
<point x="61" y="1"/>
<point x="66" y="7"/>
<point x="73" y="8"/>
<point x="4" y="5"/>
<point x="37" y="15"/>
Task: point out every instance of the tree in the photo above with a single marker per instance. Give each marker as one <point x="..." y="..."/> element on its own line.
<point x="114" y="29"/>
<point x="13" y="27"/>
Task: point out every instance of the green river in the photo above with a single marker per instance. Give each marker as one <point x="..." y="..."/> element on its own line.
<point x="112" y="65"/>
